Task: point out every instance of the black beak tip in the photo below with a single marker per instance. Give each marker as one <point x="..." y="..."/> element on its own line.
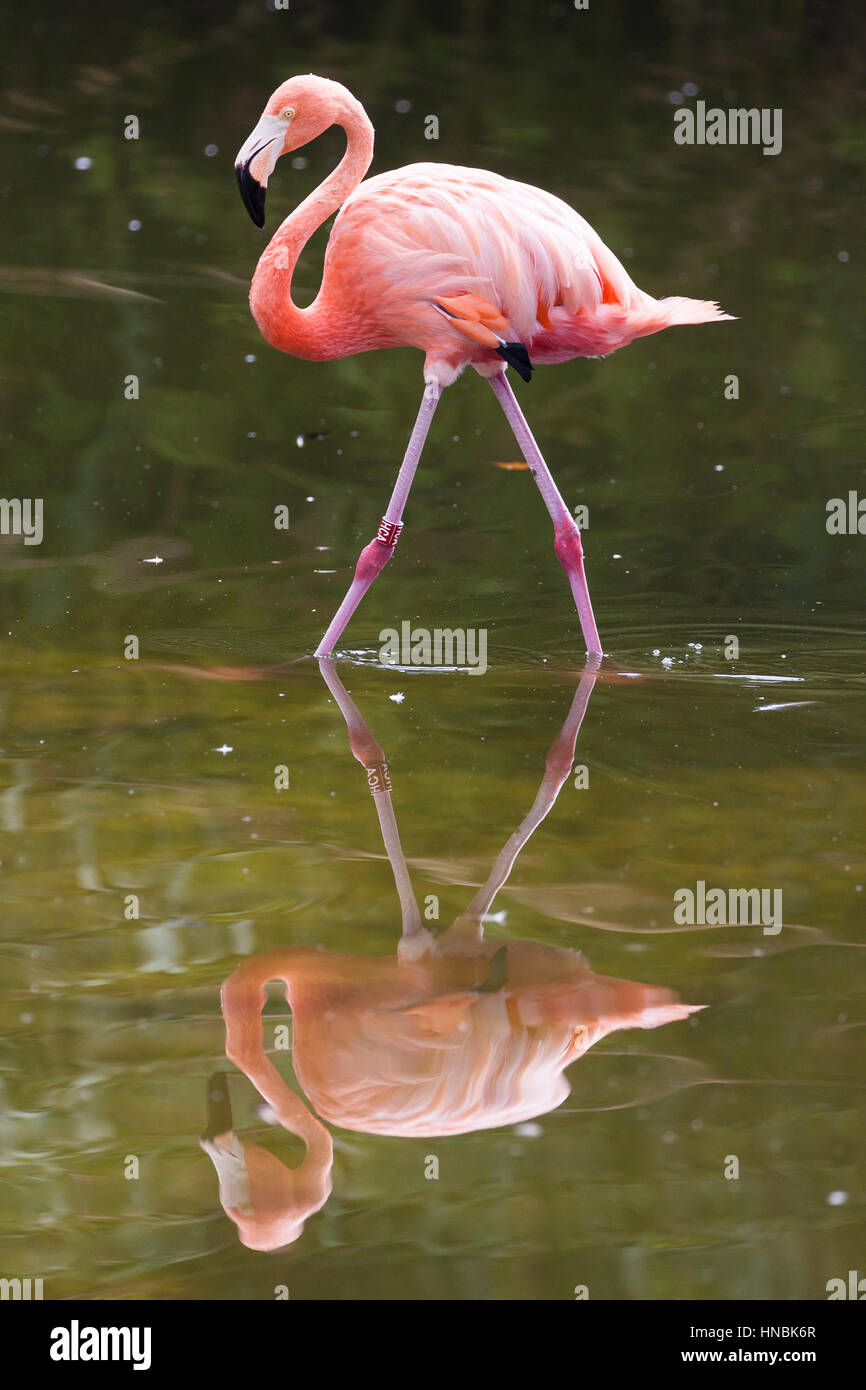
<point x="219" y="1106"/>
<point x="252" y="194"/>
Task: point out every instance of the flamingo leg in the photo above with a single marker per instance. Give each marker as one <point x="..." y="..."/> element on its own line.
<point x="567" y="542"/>
<point x="371" y="757"/>
<point x="557" y="769"/>
<point x="375" y="556"/>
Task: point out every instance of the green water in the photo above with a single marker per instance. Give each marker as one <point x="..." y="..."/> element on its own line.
<point x="155" y="777"/>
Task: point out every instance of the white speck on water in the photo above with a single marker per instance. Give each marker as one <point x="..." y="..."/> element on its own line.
<point x="84" y="162"/>
<point x="790" y="704"/>
<point x="402" y="107"/>
<point x="134" y="225"/>
<point x="398" y="697"/>
<point x="768" y="680"/>
<point x="836" y="1199"/>
<point x="530" y="1130"/>
<point x="211" y="150"/>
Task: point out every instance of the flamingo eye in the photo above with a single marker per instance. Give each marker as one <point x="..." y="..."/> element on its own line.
<point x="287" y="113"/>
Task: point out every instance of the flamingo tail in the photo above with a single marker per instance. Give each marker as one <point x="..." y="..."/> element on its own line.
<point x="664" y="313"/>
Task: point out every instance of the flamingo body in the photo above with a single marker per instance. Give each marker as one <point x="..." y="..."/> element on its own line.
<point x="505" y="260"/>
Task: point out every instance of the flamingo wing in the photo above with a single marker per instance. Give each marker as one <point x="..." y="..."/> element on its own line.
<point x="492" y="256"/>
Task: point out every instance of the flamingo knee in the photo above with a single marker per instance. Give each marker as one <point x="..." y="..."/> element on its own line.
<point x="373" y="559"/>
<point x="569" y="546"/>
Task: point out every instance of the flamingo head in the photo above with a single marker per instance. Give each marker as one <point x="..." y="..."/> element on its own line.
<point x="297" y="112"/>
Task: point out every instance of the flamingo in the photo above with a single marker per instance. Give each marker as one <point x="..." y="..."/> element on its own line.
<point x="449" y="1035"/>
<point x="472" y="268"/>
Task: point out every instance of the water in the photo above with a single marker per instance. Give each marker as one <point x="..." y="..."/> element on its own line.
<point x="154" y="779"/>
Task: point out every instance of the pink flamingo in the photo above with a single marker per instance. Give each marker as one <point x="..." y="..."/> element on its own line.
<point x="474" y="269"/>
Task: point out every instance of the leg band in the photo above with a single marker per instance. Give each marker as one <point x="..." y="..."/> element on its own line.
<point x="389" y="532"/>
<point x="378" y="777"/>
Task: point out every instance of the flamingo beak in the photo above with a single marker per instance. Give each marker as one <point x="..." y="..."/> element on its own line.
<point x="255" y="163"/>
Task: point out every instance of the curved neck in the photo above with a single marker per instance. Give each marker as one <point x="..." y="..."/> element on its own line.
<point x="280" y="320"/>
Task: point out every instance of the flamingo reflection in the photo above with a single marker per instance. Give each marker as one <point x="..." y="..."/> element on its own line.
<point x="453" y="1033"/>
